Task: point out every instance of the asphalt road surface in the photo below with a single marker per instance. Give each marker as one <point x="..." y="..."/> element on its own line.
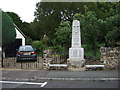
<point x="32" y="79"/>
<point x="60" y="84"/>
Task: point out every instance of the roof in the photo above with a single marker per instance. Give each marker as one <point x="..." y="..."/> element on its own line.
<point x="19" y="30"/>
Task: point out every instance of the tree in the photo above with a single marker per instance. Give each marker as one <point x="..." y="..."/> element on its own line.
<point x="107" y="9"/>
<point x="8" y="29"/>
<point x="16" y="19"/>
<point x="113" y="37"/>
<point x="63" y="34"/>
<point x="1" y="61"/>
<point x="28" y="41"/>
<point x="35" y="31"/>
<point x="8" y="32"/>
<point x="113" y="33"/>
<point x="49" y="15"/>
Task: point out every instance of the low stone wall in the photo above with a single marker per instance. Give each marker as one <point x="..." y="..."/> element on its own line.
<point x="61" y="59"/>
<point x="110" y="57"/>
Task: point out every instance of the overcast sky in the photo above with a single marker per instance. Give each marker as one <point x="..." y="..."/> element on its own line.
<point x="24" y="8"/>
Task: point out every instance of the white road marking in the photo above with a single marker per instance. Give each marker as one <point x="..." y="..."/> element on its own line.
<point x="42" y="84"/>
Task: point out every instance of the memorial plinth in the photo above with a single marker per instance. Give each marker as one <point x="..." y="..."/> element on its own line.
<point x="76" y="52"/>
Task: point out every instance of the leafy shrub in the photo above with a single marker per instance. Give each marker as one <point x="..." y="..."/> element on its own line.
<point x="39" y="46"/>
<point x="8" y="29"/>
<point x="112" y="37"/>
<point x="58" y="49"/>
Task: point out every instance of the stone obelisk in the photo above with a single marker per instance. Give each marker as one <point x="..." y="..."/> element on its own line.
<point x="76" y="52"/>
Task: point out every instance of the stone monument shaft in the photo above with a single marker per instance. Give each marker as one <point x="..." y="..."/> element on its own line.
<point x="76" y="52"/>
<point x="76" y="39"/>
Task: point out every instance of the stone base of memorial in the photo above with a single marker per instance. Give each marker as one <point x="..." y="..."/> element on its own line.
<point x="76" y="65"/>
<point x="76" y="58"/>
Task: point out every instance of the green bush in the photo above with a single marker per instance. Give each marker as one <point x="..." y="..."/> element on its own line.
<point x="58" y="50"/>
<point x="88" y="51"/>
<point x="101" y="45"/>
<point x="8" y="29"/>
<point x="39" y="46"/>
<point x="112" y="37"/>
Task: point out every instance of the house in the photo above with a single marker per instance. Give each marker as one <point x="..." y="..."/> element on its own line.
<point x="10" y="49"/>
<point x="20" y="35"/>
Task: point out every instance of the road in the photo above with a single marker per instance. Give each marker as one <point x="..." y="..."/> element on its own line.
<point x="61" y="84"/>
<point x="59" y="79"/>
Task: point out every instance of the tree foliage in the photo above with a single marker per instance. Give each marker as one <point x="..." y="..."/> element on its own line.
<point x="8" y="29"/>
<point x="63" y="34"/>
<point x="49" y="15"/>
<point x="16" y="19"/>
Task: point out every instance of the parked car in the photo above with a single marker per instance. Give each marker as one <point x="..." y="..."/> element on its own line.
<point x="26" y="52"/>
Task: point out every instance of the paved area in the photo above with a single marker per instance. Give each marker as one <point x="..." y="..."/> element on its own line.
<point x="65" y="84"/>
<point x="12" y="78"/>
<point x="29" y="74"/>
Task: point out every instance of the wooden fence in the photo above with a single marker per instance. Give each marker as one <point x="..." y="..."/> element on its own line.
<point x="59" y="59"/>
<point x="11" y="63"/>
<point x="33" y="65"/>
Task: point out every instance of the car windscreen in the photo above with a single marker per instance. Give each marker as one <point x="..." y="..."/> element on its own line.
<point x="27" y="48"/>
